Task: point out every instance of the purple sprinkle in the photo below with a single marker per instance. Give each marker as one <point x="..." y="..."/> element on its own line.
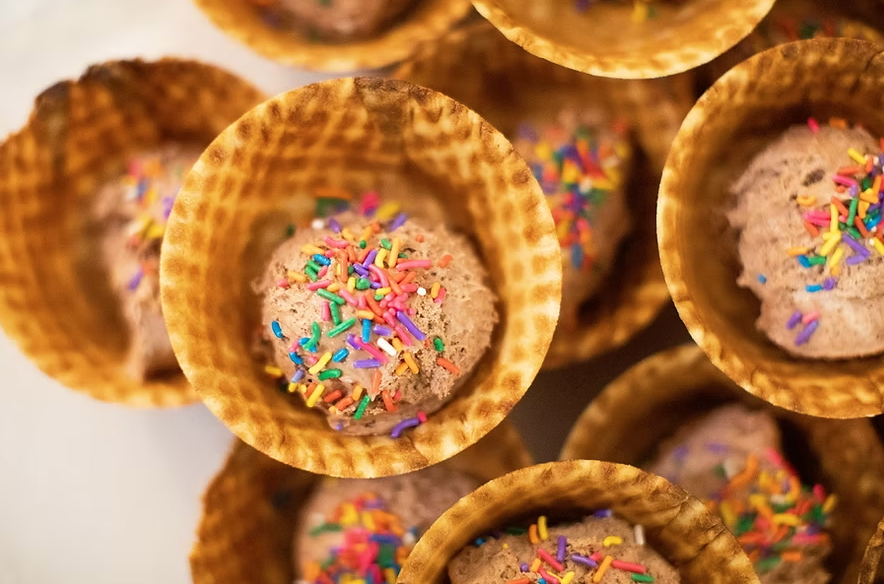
<point x="855" y="259"/>
<point x="351" y="340"/>
<point x="793" y="320"/>
<point x="404" y="425"/>
<point x="857" y="247"/>
<point x="334" y="225"/>
<point x="527" y="132"/>
<point x="560" y="548"/>
<point x="339" y="426"/>
<point x="376" y="285"/>
<point x="416" y="332"/>
<point x="829" y="283"/>
<point x="382" y="330"/>
<point x="804" y="335"/>
<point x="717" y="447"/>
<point x="523" y="567"/>
<point x="373" y="504"/>
<point x="366" y="363"/>
<point x="603" y="513"/>
<point x="584" y="560"/>
<point x="370" y="258"/>
<point x="854" y="190"/>
<point x="299" y="373"/>
<point x="397" y="222"/>
<point x="136" y="280"/>
<point x="361" y="270"/>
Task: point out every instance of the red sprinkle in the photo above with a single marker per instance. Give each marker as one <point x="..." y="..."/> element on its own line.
<point x="549" y="559"/>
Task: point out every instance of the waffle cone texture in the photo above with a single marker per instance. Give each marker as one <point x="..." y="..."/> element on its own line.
<point x="678" y="526"/>
<point x="260" y="175"/>
<point x="252" y="508"/>
<point x="56" y="302"/>
<point x="750" y="106"/>
<point x="604" y="41"/>
<point x="871" y="571"/>
<point x="671" y="389"/>
<point x="507" y="85"/>
<point x="426" y="22"/>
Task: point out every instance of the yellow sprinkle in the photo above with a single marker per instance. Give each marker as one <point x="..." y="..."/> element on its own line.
<point x="830" y="503"/>
<point x="541" y="528"/>
<point x="402" y="368"/>
<point x="879" y="247"/>
<point x="334" y="287"/>
<point x="833" y="218"/>
<point x="796" y="251"/>
<point x="271" y="370"/>
<point x="836" y="257"/>
<point x="867" y="197"/>
<point x="156" y="231"/>
<point x="566" y="579"/>
<point x="390" y="575"/>
<point x="806" y="201"/>
<point x="314" y="397"/>
<point x="786" y="519"/>
<point x="535" y="565"/>
<point x="347" y="234"/>
<point x="351" y="283"/>
<point x="836" y="270"/>
<point x="831" y="243"/>
<point x="853" y="153"/>
<point x="727" y="513"/>
<point x="397" y="344"/>
<point x="357" y="392"/>
<point x="383" y="291"/>
<point x="612" y="540"/>
<point x="293" y="387"/>
<point x="323" y="361"/>
<point x="862" y="209"/>
<point x="603" y="567"/>
<point x="295" y="276"/>
<point x="826" y="235"/>
<point x="543" y="151"/>
<point x="333" y="410"/>
<point x="366" y="234"/>
<point x="367" y="520"/>
<point x="366" y="314"/>
<point x="394" y="252"/>
<point x="386" y="211"/>
<point x="302" y="387"/>
<point x="434" y="290"/>
<point x="348" y="514"/>
<point x="311" y="249"/>
<point x="409" y="360"/>
<point x="379" y="259"/>
<point x="505" y="546"/>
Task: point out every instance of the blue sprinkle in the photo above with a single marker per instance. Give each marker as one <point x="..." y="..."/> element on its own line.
<point x="813" y="287"/>
<point x="802" y="259"/>
<point x="603" y="513"/>
<point x="382" y="539"/>
<point x="299" y="374"/>
<point x="277" y="330"/>
<point x="762" y="278"/>
<point x="340" y="355"/>
<point x="296" y="359"/>
<point x="303" y="341"/>
<point x="541" y="581"/>
<point x="576" y="255"/>
<point x="321" y="259"/>
<point x="366" y="330"/>
<point x="479" y="541"/>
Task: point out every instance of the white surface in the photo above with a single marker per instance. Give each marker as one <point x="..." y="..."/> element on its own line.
<point x="93" y="493"/>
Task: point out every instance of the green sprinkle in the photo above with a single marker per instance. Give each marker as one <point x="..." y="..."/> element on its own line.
<point x="767" y="564"/>
<point x="335" y="312"/>
<point x="851" y="215"/>
<point x="329" y="374"/>
<point x="311" y="273"/>
<point x="403" y="255"/>
<point x="290" y="230"/>
<point x="363" y="284"/>
<point x="325" y="527"/>
<point x="816" y="260"/>
<point x="378" y="296"/>
<point x="516" y="530"/>
<point x="362" y="244"/>
<point x="642" y="578"/>
<point x="439" y="344"/>
<point x="330" y="296"/>
<point x="341" y="327"/>
<point x="719" y="470"/>
<point x="386" y="556"/>
<point x="855" y="233"/>
<point x="385" y="243"/>
<point x="363" y="403"/>
<point x="866" y="183"/>
<point x="316" y="333"/>
<point x="350" y="270"/>
<point x="315" y="266"/>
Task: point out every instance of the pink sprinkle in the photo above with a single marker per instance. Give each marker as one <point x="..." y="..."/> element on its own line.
<point x="813" y="125"/>
<point x="422" y="417"/>
<point x="411" y="264"/>
<point x="441" y="296"/>
<point x="326" y="312"/>
<point x="382" y="277"/>
<point x="369" y="201"/>
<point x="283" y="283"/>
<point x="338" y="243"/>
<point x="361" y="303"/>
<point x="803" y="538"/>
<point x="323" y="271"/>
<point x="351" y="300"/>
<point x="628" y="566"/>
<point x="816" y="215"/>
<point x="843" y="180"/>
<point x="774" y="457"/>
<point x="314" y="286"/>
<point x="398" y="395"/>
<point x="819" y="492"/>
<point x="371" y="350"/>
<point x="389" y="319"/>
<point x="596" y="556"/>
<point x="810" y="317"/>
<point x="403" y="335"/>
<point x="817" y="221"/>
<point x="310" y="359"/>
<point x="408" y="287"/>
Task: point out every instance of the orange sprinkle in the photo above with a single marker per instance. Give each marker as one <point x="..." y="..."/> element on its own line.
<point x="332" y="193"/>
<point x="839" y="123"/>
<point x="742" y="479"/>
<point x="388" y="401"/>
<point x="445" y="260"/>
<point x="840" y="206"/>
<point x="812" y="229"/>
<point x="394" y="285"/>
<point x="522" y="580"/>
<point x="375" y="384"/>
<point x="446" y="364"/>
<point x="532" y="537"/>
<point x="408" y="278"/>
<point x="344" y="403"/>
<point x="781" y="533"/>
<point x="603" y="567"/>
<point x="333" y="396"/>
<point x="419" y="237"/>
<point x="372" y="303"/>
<point x="791" y="556"/>
<point x="848" y="170"/>
<point x="840" y="189"/>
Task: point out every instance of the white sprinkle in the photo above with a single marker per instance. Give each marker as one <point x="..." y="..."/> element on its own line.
<point x="408" y="539"/>
<point x="317" y="223"/>
<point x="421" y="291"/>
<point x="387" y="347"/>
<point x="639" y="535"/>
<point x="317" y="519"/>
<point x="731" y="467"/>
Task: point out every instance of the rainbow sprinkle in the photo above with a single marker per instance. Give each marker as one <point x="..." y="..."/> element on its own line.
<point x="374" y="544"/>
<point x="577" y="171"/>
<point x="846" y="228"/>
<point x="769" y="511"/>
<point x="368" y="288"/>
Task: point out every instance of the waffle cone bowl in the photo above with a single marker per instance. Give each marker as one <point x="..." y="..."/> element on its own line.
<point x="844" y="455"/>
<point x="605" y="40"/>
<point x="751" y="106"/>
<point x="506" y="85"/>
<point x="426" y="22"/>
<point x="260" y="174"/>
<point x="252" y="508"/>
<point x="871" y="570"/>
<point x="677" y="525"/>
<point x="56" y="302"/>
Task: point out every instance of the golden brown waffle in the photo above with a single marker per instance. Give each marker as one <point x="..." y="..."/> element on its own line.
<point x="870" y="570"/>
<point x="507" y="85"/>
<point x="606" y="42"/>
<point x="251" y="509"/>
<point x="55" y="303"/>
<point x="260" y="174"/>
<point x="750" y="106"/>
<point x="683" y="385"/>
<point x="428" y="21"/>
<point x="678" y="526"/>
